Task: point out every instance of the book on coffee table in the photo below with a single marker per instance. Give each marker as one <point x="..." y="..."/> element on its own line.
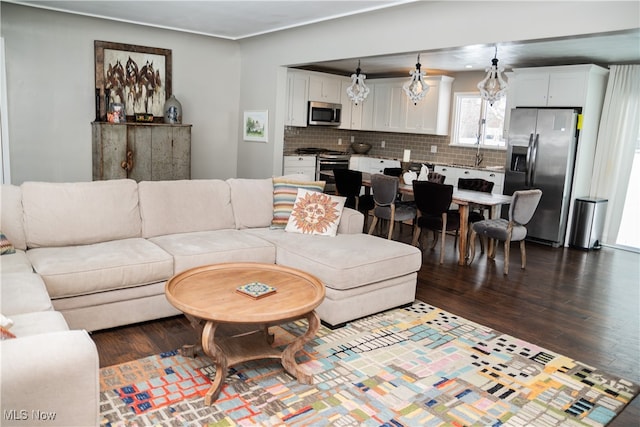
<point x="256" y="290"/>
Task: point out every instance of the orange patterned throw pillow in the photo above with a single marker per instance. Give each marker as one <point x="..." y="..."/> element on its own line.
<point x="315" y="213"/>
<point x="5" y="334"/>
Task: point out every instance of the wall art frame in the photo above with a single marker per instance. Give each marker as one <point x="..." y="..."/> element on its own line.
<point x="137" y="76"/>
<point x="256" y="126"/>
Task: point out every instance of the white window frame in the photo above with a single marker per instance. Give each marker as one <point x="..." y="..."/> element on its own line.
<point x="458" y="97"/>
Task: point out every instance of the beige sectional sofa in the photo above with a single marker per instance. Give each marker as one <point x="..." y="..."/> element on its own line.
<point x="99" y="254"/>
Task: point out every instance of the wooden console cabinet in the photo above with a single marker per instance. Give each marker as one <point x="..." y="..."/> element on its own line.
<point x="141" y="151"/>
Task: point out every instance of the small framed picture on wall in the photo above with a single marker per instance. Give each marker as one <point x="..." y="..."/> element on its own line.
<point x="256" y="126"/>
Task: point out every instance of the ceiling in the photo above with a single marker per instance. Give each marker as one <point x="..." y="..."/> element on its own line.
<point x="235" y="20"/>
<point x="232" y="20"/>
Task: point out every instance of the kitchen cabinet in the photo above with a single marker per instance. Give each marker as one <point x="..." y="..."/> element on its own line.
<point x="563" y="86"/>
<point x="300" y="165"/>
<point x="351" y="113"/>
<point x="388" y="107"/>
<point x="431" y="115"/>
<point x="297" y="98"/>
<point x="324" y="87"/>
<point x="141" y="151"/>
<point x="392" y="111"/>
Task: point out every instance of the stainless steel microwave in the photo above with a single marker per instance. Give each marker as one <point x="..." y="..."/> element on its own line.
<point x="324" y="114"/>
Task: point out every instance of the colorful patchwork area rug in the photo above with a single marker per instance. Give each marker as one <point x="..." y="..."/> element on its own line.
<point x="414" y="366"/>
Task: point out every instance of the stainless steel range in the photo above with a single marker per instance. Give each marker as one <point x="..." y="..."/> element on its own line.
<point x="327" y="160"/>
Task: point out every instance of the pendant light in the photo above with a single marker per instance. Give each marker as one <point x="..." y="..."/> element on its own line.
<point x="358" y="91"/>
<point x="493" y="86"/>
<point x="416" y="88"/>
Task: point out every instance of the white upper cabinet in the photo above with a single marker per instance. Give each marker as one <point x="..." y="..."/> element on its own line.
<point x="351" y="113"/>
<point x="564" y="86"/>
<point x="431" y="115"/>
<point x="325" y="88"/>
<point x="392" y="111"/>
<point x="297" y="98"/>
<point x="388" y="107"/>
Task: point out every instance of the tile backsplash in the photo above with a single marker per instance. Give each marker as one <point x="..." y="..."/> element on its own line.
<point x="395" y="144"/>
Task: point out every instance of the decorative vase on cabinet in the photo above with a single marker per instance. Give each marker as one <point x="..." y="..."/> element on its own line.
<point x="172" y="111"/>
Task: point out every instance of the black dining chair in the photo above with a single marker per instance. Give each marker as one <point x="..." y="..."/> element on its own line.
<point x="436" y="177"/>
<point x="433" y="200"/>
<point x="392" y="171"/>
<point x="349" y="184"/>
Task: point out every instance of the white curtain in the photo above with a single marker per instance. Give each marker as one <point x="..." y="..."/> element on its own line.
<point x="616" y="144"/>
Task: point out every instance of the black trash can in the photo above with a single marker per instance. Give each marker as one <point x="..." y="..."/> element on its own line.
<point x="588" y="222"/>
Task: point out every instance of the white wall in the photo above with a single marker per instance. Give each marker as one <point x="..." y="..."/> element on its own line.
<point x="50" y="78"/>
<point x="50" y="69"/>
<point x="413" y="27"/>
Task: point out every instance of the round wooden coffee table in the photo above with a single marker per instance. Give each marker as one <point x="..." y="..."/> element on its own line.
<point x="209" y="297"/>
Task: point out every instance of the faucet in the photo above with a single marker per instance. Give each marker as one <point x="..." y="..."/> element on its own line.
<point x="479" y="158"/>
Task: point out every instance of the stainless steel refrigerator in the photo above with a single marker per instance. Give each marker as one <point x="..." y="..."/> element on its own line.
<point x="541" y="152"/>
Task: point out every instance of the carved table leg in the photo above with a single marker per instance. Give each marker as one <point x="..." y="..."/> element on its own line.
<point x="219" y="357"/>
<point x="289" y="354"/>
<point x="270" y="337"/>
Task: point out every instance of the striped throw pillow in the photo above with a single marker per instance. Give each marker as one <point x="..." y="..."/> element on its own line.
<point x="285" y="191"/>
<point x="5" y="245"/>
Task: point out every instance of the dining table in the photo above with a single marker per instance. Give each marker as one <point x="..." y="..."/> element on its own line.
<point x="464" y="199"/>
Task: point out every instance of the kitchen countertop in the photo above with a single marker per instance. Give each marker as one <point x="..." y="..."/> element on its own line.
<point x="499" y="169"/>
<point x="452" y="165"/>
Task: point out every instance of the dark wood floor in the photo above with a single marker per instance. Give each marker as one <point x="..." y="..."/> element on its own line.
<point x="583" y="304"/>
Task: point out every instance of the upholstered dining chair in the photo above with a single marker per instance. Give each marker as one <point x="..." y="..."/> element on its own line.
<point x="385" y="189"/>
<point x="348" y="184"/>
<point x="432" y="201"/>
<point x="476" y="213"/>
<point x="521" y="210"/>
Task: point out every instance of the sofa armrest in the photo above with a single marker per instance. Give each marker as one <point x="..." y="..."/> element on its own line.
<point x="50" y="379"/>
<point x="351" y="222"/>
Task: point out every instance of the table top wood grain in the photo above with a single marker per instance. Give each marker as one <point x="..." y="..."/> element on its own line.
<point x="209" y="293"/>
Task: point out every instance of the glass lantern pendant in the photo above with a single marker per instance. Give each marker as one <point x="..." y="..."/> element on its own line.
<point x="416" y="88"/>
<point x="358" y="91"/>
<point x="493" y="86"/>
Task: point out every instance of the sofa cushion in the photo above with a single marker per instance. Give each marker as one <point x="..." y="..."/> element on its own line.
<point x="16" y="262"/>
<point x="345" y="261"/>
<point x="23" y="293"/>
<point x="79" y="270"/>
<point x="169" y="207"/>
<point x="40" y="322"/>
<point x="11" y="215"/>
<point x="252" y="201"/>
<point x="80" y="213"/>
<point x="285" y="191"/>
<point x="210" y="247"/>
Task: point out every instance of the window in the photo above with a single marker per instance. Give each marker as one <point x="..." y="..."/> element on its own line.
<point x="476" y="121"/>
